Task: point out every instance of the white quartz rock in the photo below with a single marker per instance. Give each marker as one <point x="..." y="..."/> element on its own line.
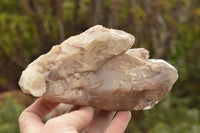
<point x="98" y="68"/>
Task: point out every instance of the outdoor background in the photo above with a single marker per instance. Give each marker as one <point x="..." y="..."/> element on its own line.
<point x="169" y="29"/>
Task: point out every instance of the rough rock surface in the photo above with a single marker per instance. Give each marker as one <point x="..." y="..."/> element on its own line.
<point x="93" y="68"/>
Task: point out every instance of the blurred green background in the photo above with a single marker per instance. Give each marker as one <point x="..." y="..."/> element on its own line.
<point x="169" y="29"/>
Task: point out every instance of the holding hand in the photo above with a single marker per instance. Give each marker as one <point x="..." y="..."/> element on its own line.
<point x="30" y="120"/>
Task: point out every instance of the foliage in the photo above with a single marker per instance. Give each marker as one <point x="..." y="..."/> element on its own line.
<point x="169" y="29"/>
<point x="9" y="113"/>
<point x="168" y="117"/>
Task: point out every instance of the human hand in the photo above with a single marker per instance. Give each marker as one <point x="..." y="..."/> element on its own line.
<point x="30" y="120"/>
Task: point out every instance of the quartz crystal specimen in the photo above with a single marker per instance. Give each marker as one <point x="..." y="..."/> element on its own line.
<point x="98" y="68"/>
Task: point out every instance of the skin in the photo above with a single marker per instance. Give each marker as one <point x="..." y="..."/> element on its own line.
<point x="80" y="120"/>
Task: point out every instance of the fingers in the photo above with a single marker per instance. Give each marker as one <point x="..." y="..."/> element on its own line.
<point x="119" y="123"/>
<point x="73" y="121"/>
<point x="79" y="119"/>
<point x="32" y="116"/>
<point x="31" y="119"/>
<point x="100" y="122"/>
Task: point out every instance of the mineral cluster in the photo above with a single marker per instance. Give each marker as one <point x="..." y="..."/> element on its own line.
<point x="98" y="68"/>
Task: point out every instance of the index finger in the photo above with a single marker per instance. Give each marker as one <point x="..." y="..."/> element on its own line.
<point x="32" y="116"/>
